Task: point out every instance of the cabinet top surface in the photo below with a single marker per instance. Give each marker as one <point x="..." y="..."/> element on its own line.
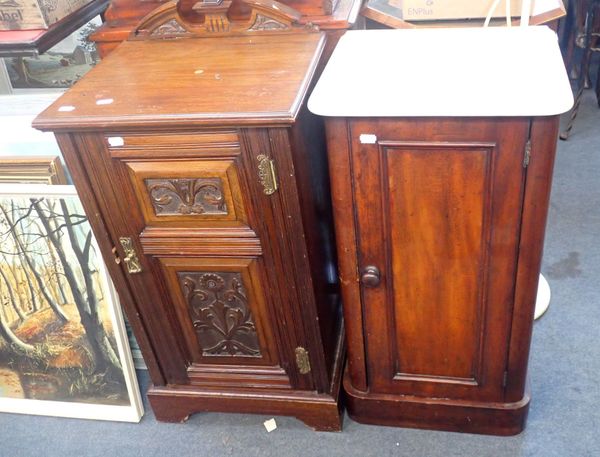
<point x="444" y="72"/>
<point x="232" y="80"/>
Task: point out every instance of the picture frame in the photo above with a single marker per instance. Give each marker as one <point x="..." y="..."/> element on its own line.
<point x="69" y="351"/>
<point x="32" y="170"/>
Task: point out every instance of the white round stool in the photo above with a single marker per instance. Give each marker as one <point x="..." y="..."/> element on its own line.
<point x="542" y="301"/>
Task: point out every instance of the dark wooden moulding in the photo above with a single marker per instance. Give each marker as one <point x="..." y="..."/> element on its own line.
<point x="172" y="142"/>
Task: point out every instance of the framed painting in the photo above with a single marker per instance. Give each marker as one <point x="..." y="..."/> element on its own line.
<point x="63" y="344"/>
<point x="58" y="68"/>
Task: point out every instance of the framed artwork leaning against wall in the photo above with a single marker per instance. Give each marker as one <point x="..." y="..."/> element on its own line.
<point x="63" y="344"/>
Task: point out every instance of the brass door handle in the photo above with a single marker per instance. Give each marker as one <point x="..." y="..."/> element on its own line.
<point x="132" y="262"/>
<point x="370" y="277"/>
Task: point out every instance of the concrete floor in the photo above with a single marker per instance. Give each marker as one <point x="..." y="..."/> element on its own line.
<point x="564" y="419"/>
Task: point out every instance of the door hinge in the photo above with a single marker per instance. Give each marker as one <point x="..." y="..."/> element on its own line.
<point x="302" y="360"/>
<point x="527" y="155"/>
<point x="266" y="174"/>
<point x="505" y="379"/>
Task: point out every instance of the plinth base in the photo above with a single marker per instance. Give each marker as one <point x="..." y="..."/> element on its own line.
<point x="436" y="414"/>
<point x="320" y="411"/>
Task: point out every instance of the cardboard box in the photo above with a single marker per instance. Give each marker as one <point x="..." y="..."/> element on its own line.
<point x="35" y="14"/>
<point x="431" y="10"/>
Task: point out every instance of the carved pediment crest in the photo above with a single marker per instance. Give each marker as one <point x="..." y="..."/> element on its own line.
<point x="215" y="18"/>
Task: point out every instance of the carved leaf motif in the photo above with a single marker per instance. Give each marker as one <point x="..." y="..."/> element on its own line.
<point x="171" y="27"/>
<point x="186" y="196"/>
<point x="267" y="23"/>
<point x="219" y="310"/>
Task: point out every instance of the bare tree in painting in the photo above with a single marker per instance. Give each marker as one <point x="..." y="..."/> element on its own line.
<point x="5" y="331"/>
<point x="34" y="292"/>
<point x="20" y="244"/>
<point x="53" y="275"/>
<point x="57" y="273"/>
<point x="22" y="267"/>
<point x="12" y="295"/>
<point x="84" y="295"/>
<point x="18" y="280"/>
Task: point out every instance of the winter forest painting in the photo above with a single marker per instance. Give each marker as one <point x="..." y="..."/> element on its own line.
<point x="59" y="339"/>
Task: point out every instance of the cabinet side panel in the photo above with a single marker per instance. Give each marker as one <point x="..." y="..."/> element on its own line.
<point x="341" y="173"/>
<point x="544" y="134"/>
<point x="278" y="224"/>
<point x="312" y="177"/>
<point x="294" y="251"/>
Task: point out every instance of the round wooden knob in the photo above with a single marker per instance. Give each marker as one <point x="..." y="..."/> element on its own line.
<point x="370" y="276"/>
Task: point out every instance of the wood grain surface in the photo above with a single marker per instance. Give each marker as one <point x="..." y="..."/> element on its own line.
<point x="237" y="80"/>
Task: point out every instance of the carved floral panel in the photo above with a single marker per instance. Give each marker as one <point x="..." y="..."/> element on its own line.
<point x="186" y="196"/>
<point x="218" y="306"/>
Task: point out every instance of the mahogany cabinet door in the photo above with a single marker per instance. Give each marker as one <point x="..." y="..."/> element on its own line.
<point x="183" y="203"/>
<point x="438" y="210"/>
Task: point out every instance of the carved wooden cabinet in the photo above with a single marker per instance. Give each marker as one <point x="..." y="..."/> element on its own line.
<point x="205" y="181"/>
<point x="440" y="185"/>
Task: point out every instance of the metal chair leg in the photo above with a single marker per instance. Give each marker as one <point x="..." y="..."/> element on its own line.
<point x="569" y="34"/>
<point x="567" y="131"/>
<point x="598" y="88"/>
<point x="584" y="67"/>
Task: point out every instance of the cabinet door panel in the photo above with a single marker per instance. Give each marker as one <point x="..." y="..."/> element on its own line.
<point x="199" y="193"/>
<point x="438" y="210"/>
<point x="232" y="339"/>
<point x="437" y="227"/>
<point x="222" y="309"/>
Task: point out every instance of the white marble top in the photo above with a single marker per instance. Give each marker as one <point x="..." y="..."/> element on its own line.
<point x="515" y="71"/>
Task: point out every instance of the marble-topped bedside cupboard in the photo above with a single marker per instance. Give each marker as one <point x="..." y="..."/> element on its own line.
<point x="441" y="145"/>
